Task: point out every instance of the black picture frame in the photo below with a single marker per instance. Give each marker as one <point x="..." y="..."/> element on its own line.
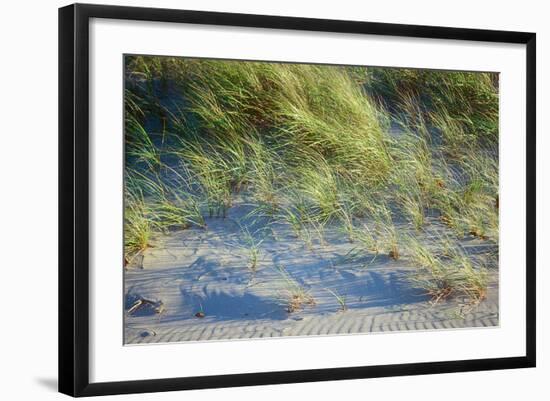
<point x="74" y="198"/>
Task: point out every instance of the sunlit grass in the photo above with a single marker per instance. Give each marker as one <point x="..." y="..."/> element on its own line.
<point x="294" y="295"/>
<point x="446" y="270"/>
<point x="310" y="147"/>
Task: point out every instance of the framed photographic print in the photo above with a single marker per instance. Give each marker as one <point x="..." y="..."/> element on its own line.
<point x="249" y="199"/>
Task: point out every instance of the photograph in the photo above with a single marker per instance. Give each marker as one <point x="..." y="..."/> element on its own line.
<point x="266" y="199"/>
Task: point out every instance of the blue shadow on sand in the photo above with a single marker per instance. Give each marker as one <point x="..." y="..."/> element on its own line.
<point x="224" y="306"/>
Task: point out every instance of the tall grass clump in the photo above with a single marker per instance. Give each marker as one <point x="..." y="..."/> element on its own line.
<point x="446" y="271"/>
<point x="317" y="183"/>
<point x="210" y="169"/>
<point x="252" y="246"/>
<point x="152" y="207"/>
<point x="264" y="169"/>
<point x="324" y="110"/>
<point x="137" y="227"/>
<point x="295" y="296"/>
<point x="304" y="108"/>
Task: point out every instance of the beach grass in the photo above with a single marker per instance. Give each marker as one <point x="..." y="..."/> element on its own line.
<point x="445" y="270"/>
<point x="294" y="296"/>
<point x="341" y="299"/>
<point x="313" y="147"/>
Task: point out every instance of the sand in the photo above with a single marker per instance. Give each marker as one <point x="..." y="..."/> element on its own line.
<point x="201" y="283"/>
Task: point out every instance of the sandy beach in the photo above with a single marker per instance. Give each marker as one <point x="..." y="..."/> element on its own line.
<point x="206" y="291"/>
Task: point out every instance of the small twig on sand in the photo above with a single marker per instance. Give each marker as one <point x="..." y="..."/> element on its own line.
<point x="158" y="307"/>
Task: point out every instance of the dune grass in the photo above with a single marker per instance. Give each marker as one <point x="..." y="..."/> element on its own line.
<point x="150" y="208"/>
<point x="252" y="246"/>
<point x="341" y="299"/>
<point x="445" y="269"/>
<point x="294" y="296"/>
<point x="137" y="228"/>
<point x="462" y="105"/>
<point x="311" y="147"/>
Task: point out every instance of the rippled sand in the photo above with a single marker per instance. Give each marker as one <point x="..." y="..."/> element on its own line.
<point x="206" y="272"/>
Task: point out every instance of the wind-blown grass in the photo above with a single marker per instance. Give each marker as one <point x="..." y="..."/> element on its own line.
<point x="463" y="105"/>
<point x="445" y="271"/>
<point x="341" y="299"/>
<point x="151" y="207"/>
<point x="311" y="147"/>
<point x="295" y="296"/>
<point x="252" y="247"/>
